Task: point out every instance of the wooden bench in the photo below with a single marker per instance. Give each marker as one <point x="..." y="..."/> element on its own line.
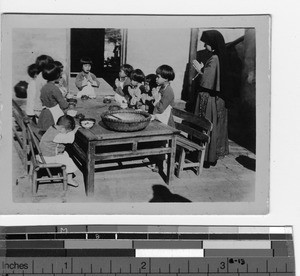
<point x="194" y="136"/>
<point x="40" y="171"/>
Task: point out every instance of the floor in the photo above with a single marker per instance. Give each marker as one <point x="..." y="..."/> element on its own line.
<point x="231" y="180"/>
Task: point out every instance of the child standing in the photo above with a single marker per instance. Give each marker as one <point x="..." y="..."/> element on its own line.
<point x="53" y="148"/>
<point x="53" y="101"/>
<point x="164" y="99"/>
<point x="134" y="91"/>
<point x="86" y="82"/>
<point x="121" y="82"/>
<point x="32" y="71"/>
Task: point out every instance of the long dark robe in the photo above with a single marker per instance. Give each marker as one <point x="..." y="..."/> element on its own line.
<point x="210" y="105"/>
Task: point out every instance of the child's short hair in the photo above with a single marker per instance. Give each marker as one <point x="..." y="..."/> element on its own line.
<point x="32" y="70"/>
<point x="86" y="60"/>
<point x="51" y="72"/>
<point x="137" y="75"/>
<point x="127" y="68"/>
<point x="151" y="79"/>
<point x="166" y="72"/>
<point x="58" y="64"/>
<point x="42" y="60"/>
<point x="67" y="121"/>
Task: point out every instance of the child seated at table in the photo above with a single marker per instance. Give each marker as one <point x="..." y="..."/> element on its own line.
<point x="62" y="82"/>
<point x="133" y="92"/>
<point x="121" y="82"/>
<point x="86" y="82"/>
<point x="53" y="142"/>
<point x="53" y="101"/>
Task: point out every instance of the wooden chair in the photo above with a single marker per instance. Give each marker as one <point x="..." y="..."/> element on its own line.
<point x="194" y="136"/>
<point x="20" y="133"/>
<point x="40" y="171"/>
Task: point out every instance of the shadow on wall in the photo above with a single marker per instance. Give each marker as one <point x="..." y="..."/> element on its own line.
<point x="162" y="194"/>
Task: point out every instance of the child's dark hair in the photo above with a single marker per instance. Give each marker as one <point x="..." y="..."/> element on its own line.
<point x="32" y="70"/>
<point x="127" y="68"/>
<point x="86" y="60"/>
<point x="42" y="60"/>
<point x="51" y="72"/>
<point x="166" y="72"/>
<point x="151" y="79"/>
<point x="137" y="75"/>
<point x="58" y="64"/>
<point x="67" y="121"/>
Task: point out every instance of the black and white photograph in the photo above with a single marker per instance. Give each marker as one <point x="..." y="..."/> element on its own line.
<point x="136" y="114"/>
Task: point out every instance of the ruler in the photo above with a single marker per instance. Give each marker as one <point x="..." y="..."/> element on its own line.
<point x="147" y="250"/>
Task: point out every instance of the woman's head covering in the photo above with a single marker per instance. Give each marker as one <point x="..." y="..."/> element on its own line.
<point x="215" y="39"/>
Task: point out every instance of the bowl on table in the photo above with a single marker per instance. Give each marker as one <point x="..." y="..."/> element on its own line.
<point x="114" y="108"/>
<point x="84" y="97"/>
<point x="79" y="116"/>
<point x="87" y="123"/>
<point x="72" y="100"/>
<point x="72" y="112"/>
<point x="126" y="120"/>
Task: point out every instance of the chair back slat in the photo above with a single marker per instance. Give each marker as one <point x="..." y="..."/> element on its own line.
<point x="34" y="144"/>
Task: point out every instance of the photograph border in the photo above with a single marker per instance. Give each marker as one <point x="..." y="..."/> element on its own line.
<point x="262" y="25"/>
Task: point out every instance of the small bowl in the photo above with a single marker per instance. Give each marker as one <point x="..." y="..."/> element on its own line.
<point x="80" y="116"/>
<point x="72" y="112"/>
<point x="72" y="100"/>
<point x="87" y="123"/>
<point x="114" y="108"/>
<point x="106" y="100"/>
<point x="84" y="97"/>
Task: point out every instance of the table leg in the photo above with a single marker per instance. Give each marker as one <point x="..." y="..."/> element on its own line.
<point x="89" y="175"/>
<point x="171" y="160"/>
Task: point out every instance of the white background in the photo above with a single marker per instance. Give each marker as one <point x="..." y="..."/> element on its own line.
<point x="285" y="105"/>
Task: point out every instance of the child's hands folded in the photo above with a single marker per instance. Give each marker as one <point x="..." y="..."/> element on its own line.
<point x="117" y="83"/>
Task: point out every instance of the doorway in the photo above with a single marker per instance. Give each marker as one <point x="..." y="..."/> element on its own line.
<point x="103" y="46"/>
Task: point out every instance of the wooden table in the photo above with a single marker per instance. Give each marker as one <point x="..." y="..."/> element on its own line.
<point x="97" y="144"/>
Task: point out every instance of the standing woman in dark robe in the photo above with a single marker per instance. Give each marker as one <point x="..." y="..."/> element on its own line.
<point x="212" y="94"/>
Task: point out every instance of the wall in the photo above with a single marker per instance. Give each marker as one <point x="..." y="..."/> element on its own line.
<point x="29" y="44"/>
<point x="149" y="48"/>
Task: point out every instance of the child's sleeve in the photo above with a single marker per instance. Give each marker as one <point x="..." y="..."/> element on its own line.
<point x="64" y="138"/>
<point x="94" y="78"/>
<point x="78" y="81"/>
<point x="63" y="104"/>
<point x="167" y="99"/>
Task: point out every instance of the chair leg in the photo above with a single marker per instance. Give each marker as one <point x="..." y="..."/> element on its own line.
<point x="34" y="182"/>
<point x="65" y="179"/>
<point x="201" y="155"/>
<point x="180" y="162"/>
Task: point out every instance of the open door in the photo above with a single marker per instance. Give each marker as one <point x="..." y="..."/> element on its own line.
<point x="87" y="43"/>
<point x="104" y="46"/>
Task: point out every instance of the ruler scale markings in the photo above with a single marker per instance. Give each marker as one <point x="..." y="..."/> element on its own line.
<point x="279" y="250"/>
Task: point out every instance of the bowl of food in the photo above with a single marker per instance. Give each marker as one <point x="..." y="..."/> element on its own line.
<point x="72" y="112"/>
<point x="84" y="97"/>
<point x="72" y="100"/>
<point x="87" y="123"/>
<point x="80" y="116"/>
<point x="126" y="120"/>
<point x="114" y="108"/>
